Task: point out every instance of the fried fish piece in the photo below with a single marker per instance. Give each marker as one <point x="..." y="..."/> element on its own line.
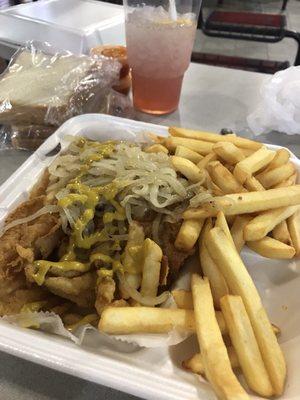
<point x="40" y="235"/>
<point x="80" y="289"/>
<point x="105" y="291"/>
<point x="13" y="303"/>
<point x="41" y="186"/>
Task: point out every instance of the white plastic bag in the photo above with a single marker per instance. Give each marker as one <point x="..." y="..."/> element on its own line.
<point x="279" y="108"/>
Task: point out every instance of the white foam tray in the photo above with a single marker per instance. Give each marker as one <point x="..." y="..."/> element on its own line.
<point x="74" y="25"/>
<point x="148" y="373"/>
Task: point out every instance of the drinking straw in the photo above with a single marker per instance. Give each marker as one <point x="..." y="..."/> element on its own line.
<point x="172" y="10"/>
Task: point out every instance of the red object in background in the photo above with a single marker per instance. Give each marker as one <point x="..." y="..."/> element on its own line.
<point x="247" y="18"/>
<point x="247" y="64"/>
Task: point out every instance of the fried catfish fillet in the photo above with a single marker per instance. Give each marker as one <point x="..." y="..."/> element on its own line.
<point x="80" y="289"/>
<point x="106" y="287"/>
<point x="21" y="245"/>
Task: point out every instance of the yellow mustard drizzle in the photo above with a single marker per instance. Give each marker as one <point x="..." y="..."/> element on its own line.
<point x="116" y="265"/>
<point x="88" y="319"/>
<point x="101" y="257"/>
<point x="44" y="266"/>
<point x="70" y="254"/>
<point x="71" y="198"/>
<point x="134" y="263"/>
<point x="89" y="197"/>
<point x="100" y="150"/>
<point x="105" y="273"/>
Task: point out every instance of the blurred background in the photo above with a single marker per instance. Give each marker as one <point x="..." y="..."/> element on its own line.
<point x="261" y="36"/>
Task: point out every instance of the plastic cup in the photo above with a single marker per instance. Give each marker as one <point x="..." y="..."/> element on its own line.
<point x="159" y="37"/>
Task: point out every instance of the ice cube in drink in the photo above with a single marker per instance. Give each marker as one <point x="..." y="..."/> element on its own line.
<point x="159" y="51"/>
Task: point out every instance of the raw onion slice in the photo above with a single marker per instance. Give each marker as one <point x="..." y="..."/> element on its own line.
<point x="144" y="300"/>
<point x="48" y="209"/>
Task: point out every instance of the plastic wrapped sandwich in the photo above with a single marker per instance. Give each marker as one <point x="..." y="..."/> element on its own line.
<point x="41" y="89"/>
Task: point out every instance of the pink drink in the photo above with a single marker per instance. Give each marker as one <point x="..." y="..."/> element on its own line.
<point x="159" y="51"/>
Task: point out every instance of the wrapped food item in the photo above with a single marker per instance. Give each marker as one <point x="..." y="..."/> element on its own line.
<point x="42" y="88"/>
<point x="29" y="137"/>
<point x="119" y="53"/>
<point x="46" y="88"/>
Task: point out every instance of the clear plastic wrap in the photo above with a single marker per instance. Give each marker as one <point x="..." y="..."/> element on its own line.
<point x="42" y="88"/>
<point x="279" y="105"/>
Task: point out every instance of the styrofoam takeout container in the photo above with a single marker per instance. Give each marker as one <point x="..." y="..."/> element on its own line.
<point x="74" y="25"/>
<point x="149" y="373"/>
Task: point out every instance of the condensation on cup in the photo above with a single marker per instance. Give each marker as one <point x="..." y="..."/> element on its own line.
<point x="160" y="38"/>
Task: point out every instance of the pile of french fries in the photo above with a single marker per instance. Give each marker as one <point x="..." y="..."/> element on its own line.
<point x="256" y="203"/>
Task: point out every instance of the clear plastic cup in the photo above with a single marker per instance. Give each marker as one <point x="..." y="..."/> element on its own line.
<point x="159" y="37"/>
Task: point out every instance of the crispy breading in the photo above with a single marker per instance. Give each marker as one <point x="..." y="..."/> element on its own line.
<point x="25" y="235"/>
<point x="47" y="243"/>
<point x="40" y="187"/>
<point x="13" y="303"/>
<point x="105" y="291"/>
<point x="80" y="289"/>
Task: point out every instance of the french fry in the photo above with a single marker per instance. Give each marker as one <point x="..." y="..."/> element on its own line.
<point x="156" y="148"/>
<point x="196" y="145"/>
<point x="246" y="203"/>
<point x="206" y="160"/>
<point x="275" y="176"/>
<point x="240" y="283"/>
<point x="247" y="167"/>
<point x="230" y="219"/>
<point x="253" y="185"/>
<point x="245" y="345"/>
<point x="261" y="225"/>
<point x="156" y="139"/>
<point x="229" y="167"/>
<point x="281" y="157"/>
<point x="237" y="230"/>
<point x="216" y="191"/>
<point x="272" y="248"/>
<point x="188" y="169"/>
<point x="248" y="152"/>
<point x="188" y="234"/>
<point x="276" y="330"/>
<point x="214" y="137"/>
<point x="281" y="233"/>
<point x="218" y="284"/>
<point x="294" y="228"/>
<point x="187" y="153"/>
<point x="215" y="358"/>
<point x="135" y="238"/>
<point x="222" y="223"/>
<point x="223" y="178"/>
<point x="151" y="268"/>
<point x="228" y="152"/>
<point x="288" y="182"/>
<point x="184" y="300"/>
<point x="125" y="320"/>
<point x="195" y="363"/>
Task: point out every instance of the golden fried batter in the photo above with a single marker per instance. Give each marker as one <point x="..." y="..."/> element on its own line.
<point x="80" y="289"/>
<point x="105" y="293"/>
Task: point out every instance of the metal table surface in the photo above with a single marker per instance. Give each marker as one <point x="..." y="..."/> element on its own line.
<point x="212" y="98"/>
